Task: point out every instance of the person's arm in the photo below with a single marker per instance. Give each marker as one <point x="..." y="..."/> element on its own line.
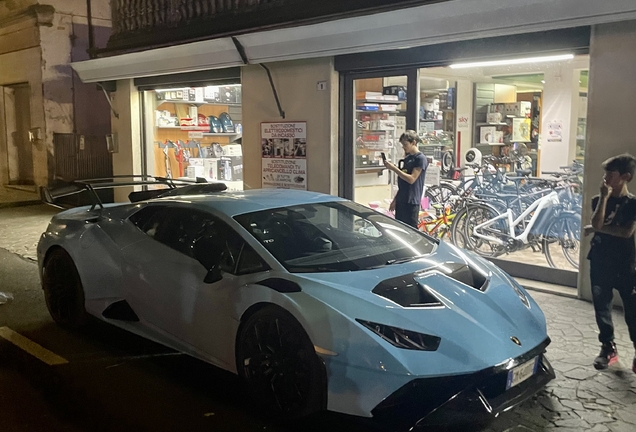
<point x="409" y="178"/>
<point x="618" y="231"/>
<point x="598" y="217"/>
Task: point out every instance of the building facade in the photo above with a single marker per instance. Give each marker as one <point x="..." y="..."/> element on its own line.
<point x="355" y="79"/>
<point x="40" y="94"/>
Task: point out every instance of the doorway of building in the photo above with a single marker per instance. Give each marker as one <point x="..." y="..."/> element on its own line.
<point x="17" y="120"/>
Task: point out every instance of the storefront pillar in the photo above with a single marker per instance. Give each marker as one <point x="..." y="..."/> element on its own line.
<point x="558" y="116"/>
<point x="308" y="92"/>
<point x="126" y="128"/>
<point x="611" y="104"/>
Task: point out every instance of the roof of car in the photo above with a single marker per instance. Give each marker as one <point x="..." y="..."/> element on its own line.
<point x="234" y="203"/>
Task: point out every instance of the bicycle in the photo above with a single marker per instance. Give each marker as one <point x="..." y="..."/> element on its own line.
<point x="491" y="233"/>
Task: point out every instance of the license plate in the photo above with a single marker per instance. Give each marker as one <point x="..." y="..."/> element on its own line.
<point x="521" y="373"/>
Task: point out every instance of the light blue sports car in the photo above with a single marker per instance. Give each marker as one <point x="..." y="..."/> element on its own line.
<point x="315" y="301"/>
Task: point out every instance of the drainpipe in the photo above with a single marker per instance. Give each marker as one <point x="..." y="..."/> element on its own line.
<point x="91" y="33"/>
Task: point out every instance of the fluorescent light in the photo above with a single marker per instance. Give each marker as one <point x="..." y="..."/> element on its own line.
<point x="513" y="61"/>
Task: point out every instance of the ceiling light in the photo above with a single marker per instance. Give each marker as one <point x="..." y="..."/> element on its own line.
<point x="542" y="81"/>
<point x="513" y="61"/>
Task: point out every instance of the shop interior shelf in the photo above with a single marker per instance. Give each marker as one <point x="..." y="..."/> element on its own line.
<point x="380" y="112"/>
<point x="492" y="124"/>
<point x="220" y="134"/>
<point x="385" y="102"/>
<point x="199" y="102"/>
<point x="362" y="170"/>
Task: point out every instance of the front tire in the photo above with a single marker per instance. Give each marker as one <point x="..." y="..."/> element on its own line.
<point x="281" y="370"/>
<point x="63" y="290"/>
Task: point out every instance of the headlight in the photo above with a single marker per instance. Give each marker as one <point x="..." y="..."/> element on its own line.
<point x="401" y="338"/>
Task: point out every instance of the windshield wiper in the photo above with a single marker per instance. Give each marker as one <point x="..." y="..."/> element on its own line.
<point x="402" y="260"/>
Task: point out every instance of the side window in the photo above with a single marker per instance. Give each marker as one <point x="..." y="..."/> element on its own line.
<point x="250" y="262"/>
<point x="219" y="245"/>
<point x="148" y="219"/>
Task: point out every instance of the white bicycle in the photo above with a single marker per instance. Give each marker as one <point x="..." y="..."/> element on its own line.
<point x="544" y="225"/>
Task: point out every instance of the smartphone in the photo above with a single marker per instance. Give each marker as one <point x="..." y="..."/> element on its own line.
<point x="383" y="156"/>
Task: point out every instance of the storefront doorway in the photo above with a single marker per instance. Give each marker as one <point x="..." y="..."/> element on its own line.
<point x="17" y="121"/>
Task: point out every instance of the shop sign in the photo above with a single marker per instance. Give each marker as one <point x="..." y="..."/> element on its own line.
<point x="463" y="121"/>
<point x="284" y="153"/>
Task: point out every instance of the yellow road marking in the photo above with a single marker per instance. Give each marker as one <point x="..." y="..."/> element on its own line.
<point x="31" y="347"/>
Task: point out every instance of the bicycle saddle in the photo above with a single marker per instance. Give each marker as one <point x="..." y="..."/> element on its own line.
<point x="524" y="172"/>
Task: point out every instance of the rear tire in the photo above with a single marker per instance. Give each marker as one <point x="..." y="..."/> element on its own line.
<point x="63" y="290"/>
<point x="278" y="363"/>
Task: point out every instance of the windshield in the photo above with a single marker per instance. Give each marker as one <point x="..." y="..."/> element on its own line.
<point x="334" y="236"/>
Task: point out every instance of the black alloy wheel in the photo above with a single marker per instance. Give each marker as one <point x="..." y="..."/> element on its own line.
<point x="282" y="372"/>
<point x="63" y="290"/>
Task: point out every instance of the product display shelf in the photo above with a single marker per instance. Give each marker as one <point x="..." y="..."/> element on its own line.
<point x="380" y="111"/>
<point x="378" y="101"/>
<point x="221" y="134"/>
<point x="198" y="103"/>
<point x="492" y="124"/>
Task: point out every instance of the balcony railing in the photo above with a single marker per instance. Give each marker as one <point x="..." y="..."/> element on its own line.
<point x="140" y="24"/>
<point x="133" y="15"/>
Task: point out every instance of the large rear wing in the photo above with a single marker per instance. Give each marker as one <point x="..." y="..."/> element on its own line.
<point x="166" y="186"/>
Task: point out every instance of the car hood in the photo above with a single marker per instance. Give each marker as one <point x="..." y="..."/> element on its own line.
<point x="476" y="326"/>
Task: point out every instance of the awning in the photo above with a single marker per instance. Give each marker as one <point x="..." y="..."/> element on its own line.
<point x="405" y="28"/>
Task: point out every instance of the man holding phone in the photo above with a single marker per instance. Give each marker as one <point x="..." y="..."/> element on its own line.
<point x="407" y="201"/>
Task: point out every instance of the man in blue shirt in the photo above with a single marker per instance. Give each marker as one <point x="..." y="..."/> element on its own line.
<point x="407" y="201"/>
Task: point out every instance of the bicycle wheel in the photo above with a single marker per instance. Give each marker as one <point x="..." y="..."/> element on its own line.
<point x="439" y="194"/>
<point x="564" y="234"/>
<point x="475" y="216"/>
<point x="457" y="236"/>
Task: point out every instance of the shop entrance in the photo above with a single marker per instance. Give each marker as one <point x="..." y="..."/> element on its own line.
<point x="380" y="119"/>
<point x="17" y="121"/>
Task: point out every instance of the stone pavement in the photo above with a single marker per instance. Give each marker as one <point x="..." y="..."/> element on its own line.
<point x="21" y="227"/>
<point x="580" y="399"/>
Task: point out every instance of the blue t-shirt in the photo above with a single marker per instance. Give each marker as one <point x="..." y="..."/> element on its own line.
<point x="412" y="193"/>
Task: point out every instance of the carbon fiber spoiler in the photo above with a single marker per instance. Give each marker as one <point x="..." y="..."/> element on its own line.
<point x="91" y="186"/>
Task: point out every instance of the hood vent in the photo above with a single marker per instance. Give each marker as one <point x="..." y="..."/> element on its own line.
<point x="460" y="272"/>
<point x="408" y="292"/>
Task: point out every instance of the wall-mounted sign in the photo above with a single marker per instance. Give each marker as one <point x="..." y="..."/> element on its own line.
<point x="284" y="152"/>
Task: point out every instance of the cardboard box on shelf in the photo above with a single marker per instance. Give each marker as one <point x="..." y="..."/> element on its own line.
<point x="494" y="117"/>
<point x="194" y="171"/>
<point x="233" y="150"/>
<point x="518" y="109"/>
<point x="369" y="95"/>
<point x="487" y="134"/>
<point x="521" y="129"/>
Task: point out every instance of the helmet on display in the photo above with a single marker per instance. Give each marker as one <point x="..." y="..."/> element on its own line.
<point x="215" y="125"/>
<point x="226" y="123"/>
<point x="473" y="156"/>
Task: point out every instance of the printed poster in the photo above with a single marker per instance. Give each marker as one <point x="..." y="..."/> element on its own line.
<point x="284" y="155"/>
<point x="555" y="131"/>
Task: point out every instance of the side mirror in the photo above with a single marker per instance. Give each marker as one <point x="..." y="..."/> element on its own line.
<point x="214" y="275"/>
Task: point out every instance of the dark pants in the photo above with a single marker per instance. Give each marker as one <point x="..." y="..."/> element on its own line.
<point x="407" y="213"/>
<point x="604" y="281"/>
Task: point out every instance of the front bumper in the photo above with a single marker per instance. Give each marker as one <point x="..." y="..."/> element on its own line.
<point x="476" y="398"/>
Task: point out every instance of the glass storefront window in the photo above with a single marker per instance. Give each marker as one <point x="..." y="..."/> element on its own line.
<point x="380" y="119"/>
<point x="195" y="132"/>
